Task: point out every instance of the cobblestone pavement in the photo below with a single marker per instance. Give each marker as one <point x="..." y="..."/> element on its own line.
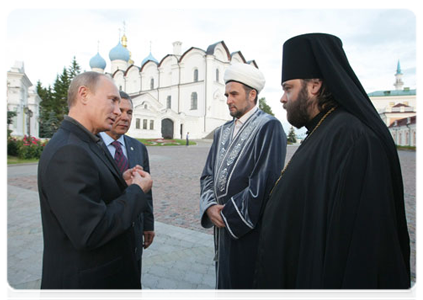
<point x="182" y="252"/>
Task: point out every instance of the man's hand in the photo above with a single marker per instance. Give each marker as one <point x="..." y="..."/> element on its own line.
<point x="137" y="175"/>
<point x="213" y="212"/>
<point x="127" y="175"/>
<point x="142" y="179"/>
<point x="148" y="238"/>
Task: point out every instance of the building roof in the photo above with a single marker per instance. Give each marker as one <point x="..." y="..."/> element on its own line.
<point x="148" y="58"/>
<point x="401" y="105"/>
<point x="404" y="92"/>
<point x="212" y="47"/>
<point x="403" y="122"/>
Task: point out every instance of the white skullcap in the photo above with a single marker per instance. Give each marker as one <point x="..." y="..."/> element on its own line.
<point x="245" y="74"/>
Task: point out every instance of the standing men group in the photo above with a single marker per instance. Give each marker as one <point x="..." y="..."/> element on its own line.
<point x="335" y="218"/>
<point x="332" y="218"/>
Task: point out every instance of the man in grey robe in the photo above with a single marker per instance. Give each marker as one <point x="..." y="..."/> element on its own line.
<point x="244" y="162"/>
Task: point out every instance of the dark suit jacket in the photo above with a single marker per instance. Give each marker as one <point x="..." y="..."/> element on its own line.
<point x="88" y="215"/>
<point x="138" y="155"/>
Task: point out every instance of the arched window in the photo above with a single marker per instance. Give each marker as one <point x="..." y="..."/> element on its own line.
<point x="195" y="75"/>
<point x="151" y="83"/>
<point x="217" y="75"/>
<point x="194" y="101"/>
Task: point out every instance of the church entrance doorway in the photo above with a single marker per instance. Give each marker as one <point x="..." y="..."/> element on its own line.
<point x="167" y="129"/>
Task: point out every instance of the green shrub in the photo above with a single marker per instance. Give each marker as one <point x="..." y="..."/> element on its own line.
<point x="31" y="148"/>
<point x="13" y="145"/>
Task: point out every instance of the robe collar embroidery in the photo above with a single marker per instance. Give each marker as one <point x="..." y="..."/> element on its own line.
<point x="231" y="148"/>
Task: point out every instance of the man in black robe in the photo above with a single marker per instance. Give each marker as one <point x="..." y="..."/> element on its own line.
<point x="336" y="217"/>
<point x="244" y="162"/>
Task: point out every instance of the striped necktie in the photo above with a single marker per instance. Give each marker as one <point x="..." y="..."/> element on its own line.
<point x="120" y="158"/>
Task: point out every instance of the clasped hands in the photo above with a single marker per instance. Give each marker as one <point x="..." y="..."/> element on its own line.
<point x="137" y="175"/>
<point x="213" y="212"/>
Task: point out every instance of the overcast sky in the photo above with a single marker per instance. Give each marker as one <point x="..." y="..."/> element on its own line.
<point x="374" y="39"/>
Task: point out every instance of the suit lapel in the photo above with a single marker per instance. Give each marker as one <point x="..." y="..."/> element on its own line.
<point x="98" y="149"/>
<point x="103" y="153"/>
<point x="130" y="151"/>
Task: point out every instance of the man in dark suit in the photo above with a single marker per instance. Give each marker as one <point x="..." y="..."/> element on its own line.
<point x="136" y="154"/>
<point x="88" y="208"/>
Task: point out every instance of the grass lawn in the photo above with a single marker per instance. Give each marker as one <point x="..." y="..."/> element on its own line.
<point x="16" y="160"/>
<point x="411" y="148"/>
<point x="148" y="142"/>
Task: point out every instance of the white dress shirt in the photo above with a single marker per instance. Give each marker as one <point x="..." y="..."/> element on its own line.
<point x="109" y="140"/>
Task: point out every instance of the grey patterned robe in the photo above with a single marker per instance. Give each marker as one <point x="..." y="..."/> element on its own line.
<point x="239" y="173"/>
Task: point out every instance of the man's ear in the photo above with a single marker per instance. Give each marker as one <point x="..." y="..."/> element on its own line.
<point x="253" y="94"/>
<point x="83" y="92"/>
<point x="315" y="86"/>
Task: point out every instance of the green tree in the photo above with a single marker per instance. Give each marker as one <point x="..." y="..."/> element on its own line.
<point x="46" y="106"/>
<point x="10" y="116"/>
<point x="265" y="107"/>
<point x="51" y="124"/>
<point x="291" y="135"/>
<point x="60" y="94"/>
<point x="54" y="106"/>
<point x="74" y="69"/>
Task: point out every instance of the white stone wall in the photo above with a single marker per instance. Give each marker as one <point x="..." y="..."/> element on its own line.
<point x="174" y="77"/>
<point x="383" y="103"/>
<point x="404" y="135"/>
<point x="19" y="97"/>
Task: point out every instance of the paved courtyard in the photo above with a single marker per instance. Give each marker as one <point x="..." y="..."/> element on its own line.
<point x="181" y="256"/>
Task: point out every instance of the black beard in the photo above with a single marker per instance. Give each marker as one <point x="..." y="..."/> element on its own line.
<point x="297" y="111"/>
<point x="237" y="114"/>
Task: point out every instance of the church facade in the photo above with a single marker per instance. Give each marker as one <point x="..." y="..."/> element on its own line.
<point x="182" y="93"/>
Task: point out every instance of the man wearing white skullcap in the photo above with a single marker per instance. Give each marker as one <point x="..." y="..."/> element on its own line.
<point x="246" y="74"/>
<point x="244" y="162"/>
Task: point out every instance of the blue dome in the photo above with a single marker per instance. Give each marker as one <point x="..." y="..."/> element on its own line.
<point x="97" y="62"/>
<point x="119" y="53"/>
<point x="149" y="57"/>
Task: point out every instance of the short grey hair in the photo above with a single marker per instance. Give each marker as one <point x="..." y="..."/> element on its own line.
<point x="88" y="79"/>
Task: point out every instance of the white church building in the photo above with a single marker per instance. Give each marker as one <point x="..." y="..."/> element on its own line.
<point x="24" y="101"/>
<point x="181" y="93"/>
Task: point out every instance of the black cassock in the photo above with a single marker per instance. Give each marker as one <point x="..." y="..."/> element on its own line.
<point x="239" y="173"/>
<point x="332" y="221"/>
